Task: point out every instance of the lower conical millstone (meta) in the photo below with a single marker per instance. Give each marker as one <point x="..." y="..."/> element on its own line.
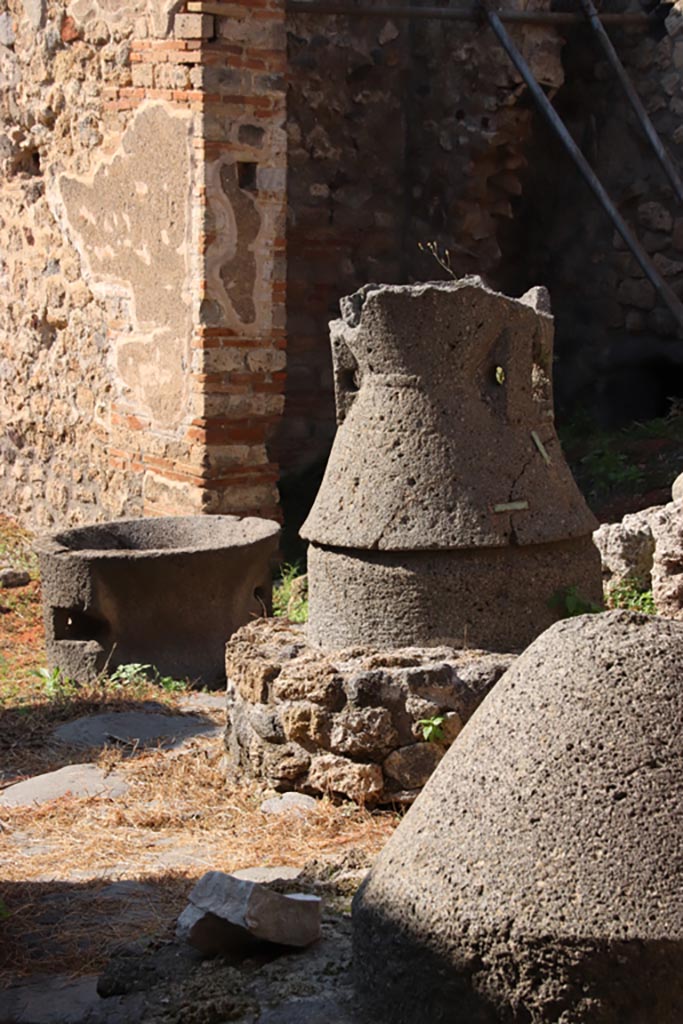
<point x="539" y="875"/>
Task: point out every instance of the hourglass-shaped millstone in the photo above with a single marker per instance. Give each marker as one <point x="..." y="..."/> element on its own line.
<point x="447" y="514"/>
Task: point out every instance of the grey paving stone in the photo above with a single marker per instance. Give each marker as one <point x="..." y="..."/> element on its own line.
<point x="134" y="728"/>
<point x="76" y="779"/>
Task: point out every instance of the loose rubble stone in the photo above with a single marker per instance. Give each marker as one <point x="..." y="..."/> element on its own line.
<point x="14" y="578"/>
<point x="136" y="729"/>
<point x="315" y="722"/>
<point x="667" y="568"/>
<point x="538" y="877"/>
<point x="225" y="912"/>
<point x="627" y="549"/>
<point x="655" y="217"/>
<point x="677" y="488"/>
<point x="297" y="804"/>
<point x="75" y="779"/>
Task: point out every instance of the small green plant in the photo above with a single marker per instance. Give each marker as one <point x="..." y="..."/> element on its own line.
<point x="432" y="728"/>
<point x="135" y="675"/>
<point x="628" y="594"/>
<point x="290" y="593"/>
<point x="568" y="602"/>
<point x="56" y="685"/>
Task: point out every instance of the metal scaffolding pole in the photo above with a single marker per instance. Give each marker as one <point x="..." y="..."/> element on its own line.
<point x="546" y="107"/>
<point x="634" y="99"/>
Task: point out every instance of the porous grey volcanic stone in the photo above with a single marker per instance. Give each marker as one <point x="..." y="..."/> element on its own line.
<point x="166" y="592"/>
<point x="497" y="599"/>
<point x="447" y="513"/>
<point x="137" y="729"/>
<point x="74" y="779"/>
<point x="430" y="440"/>
<point x="539" y="875"/>
<point x="348" y="723"/>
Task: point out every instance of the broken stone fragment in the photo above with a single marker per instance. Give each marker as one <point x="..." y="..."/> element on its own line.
<point x="228" y="914"/>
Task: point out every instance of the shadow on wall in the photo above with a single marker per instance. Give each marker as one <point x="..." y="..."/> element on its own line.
<point x="297" y="494"/>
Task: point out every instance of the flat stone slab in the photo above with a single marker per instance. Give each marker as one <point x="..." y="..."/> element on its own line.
<point x="134" y="728"/>
<point x="198" y="702"/>
<point x="74" y="779"/>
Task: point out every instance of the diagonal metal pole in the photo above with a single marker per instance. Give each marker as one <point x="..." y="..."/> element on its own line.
<point x="661" y="287"/>
<point x="634" y="99"/>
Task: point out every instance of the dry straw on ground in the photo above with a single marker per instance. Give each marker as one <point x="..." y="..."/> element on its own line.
<point x="178" y="819"/>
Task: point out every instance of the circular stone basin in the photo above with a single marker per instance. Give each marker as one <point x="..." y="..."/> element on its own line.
<point x="164" y="592"/>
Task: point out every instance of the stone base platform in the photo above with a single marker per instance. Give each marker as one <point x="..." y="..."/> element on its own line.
<point x="346" y="723"/>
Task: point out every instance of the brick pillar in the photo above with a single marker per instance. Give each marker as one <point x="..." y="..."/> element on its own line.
<point x="238" y="346"/>
<point x="226" y="73"/>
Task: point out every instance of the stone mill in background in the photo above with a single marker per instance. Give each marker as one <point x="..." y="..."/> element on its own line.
<point x="446" y="527"/>
<point x="447" y="514"/>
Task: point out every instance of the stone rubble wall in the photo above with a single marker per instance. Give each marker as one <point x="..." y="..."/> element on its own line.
<point x="146" y="300"/>
<point x="399" y="133"/>
<point x="616" y="340"/>
<point x="346" y="723"/>
<point x="645" y="551"/>
<point x="142" y="233"/>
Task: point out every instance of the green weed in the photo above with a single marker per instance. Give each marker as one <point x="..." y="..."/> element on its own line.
<point x="56" y="685"/>
<point x="609" y="470"/>
<point x="136" y="676"/>
<point x="568" y="602"/>
<point x="290" y="594"/>
<point x="432" y="728"/>
<point x="628" y="594"/>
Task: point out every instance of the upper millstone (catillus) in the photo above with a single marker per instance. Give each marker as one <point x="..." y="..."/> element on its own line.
<point x="446" y="436"/>
<point x="539" y="875"/>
